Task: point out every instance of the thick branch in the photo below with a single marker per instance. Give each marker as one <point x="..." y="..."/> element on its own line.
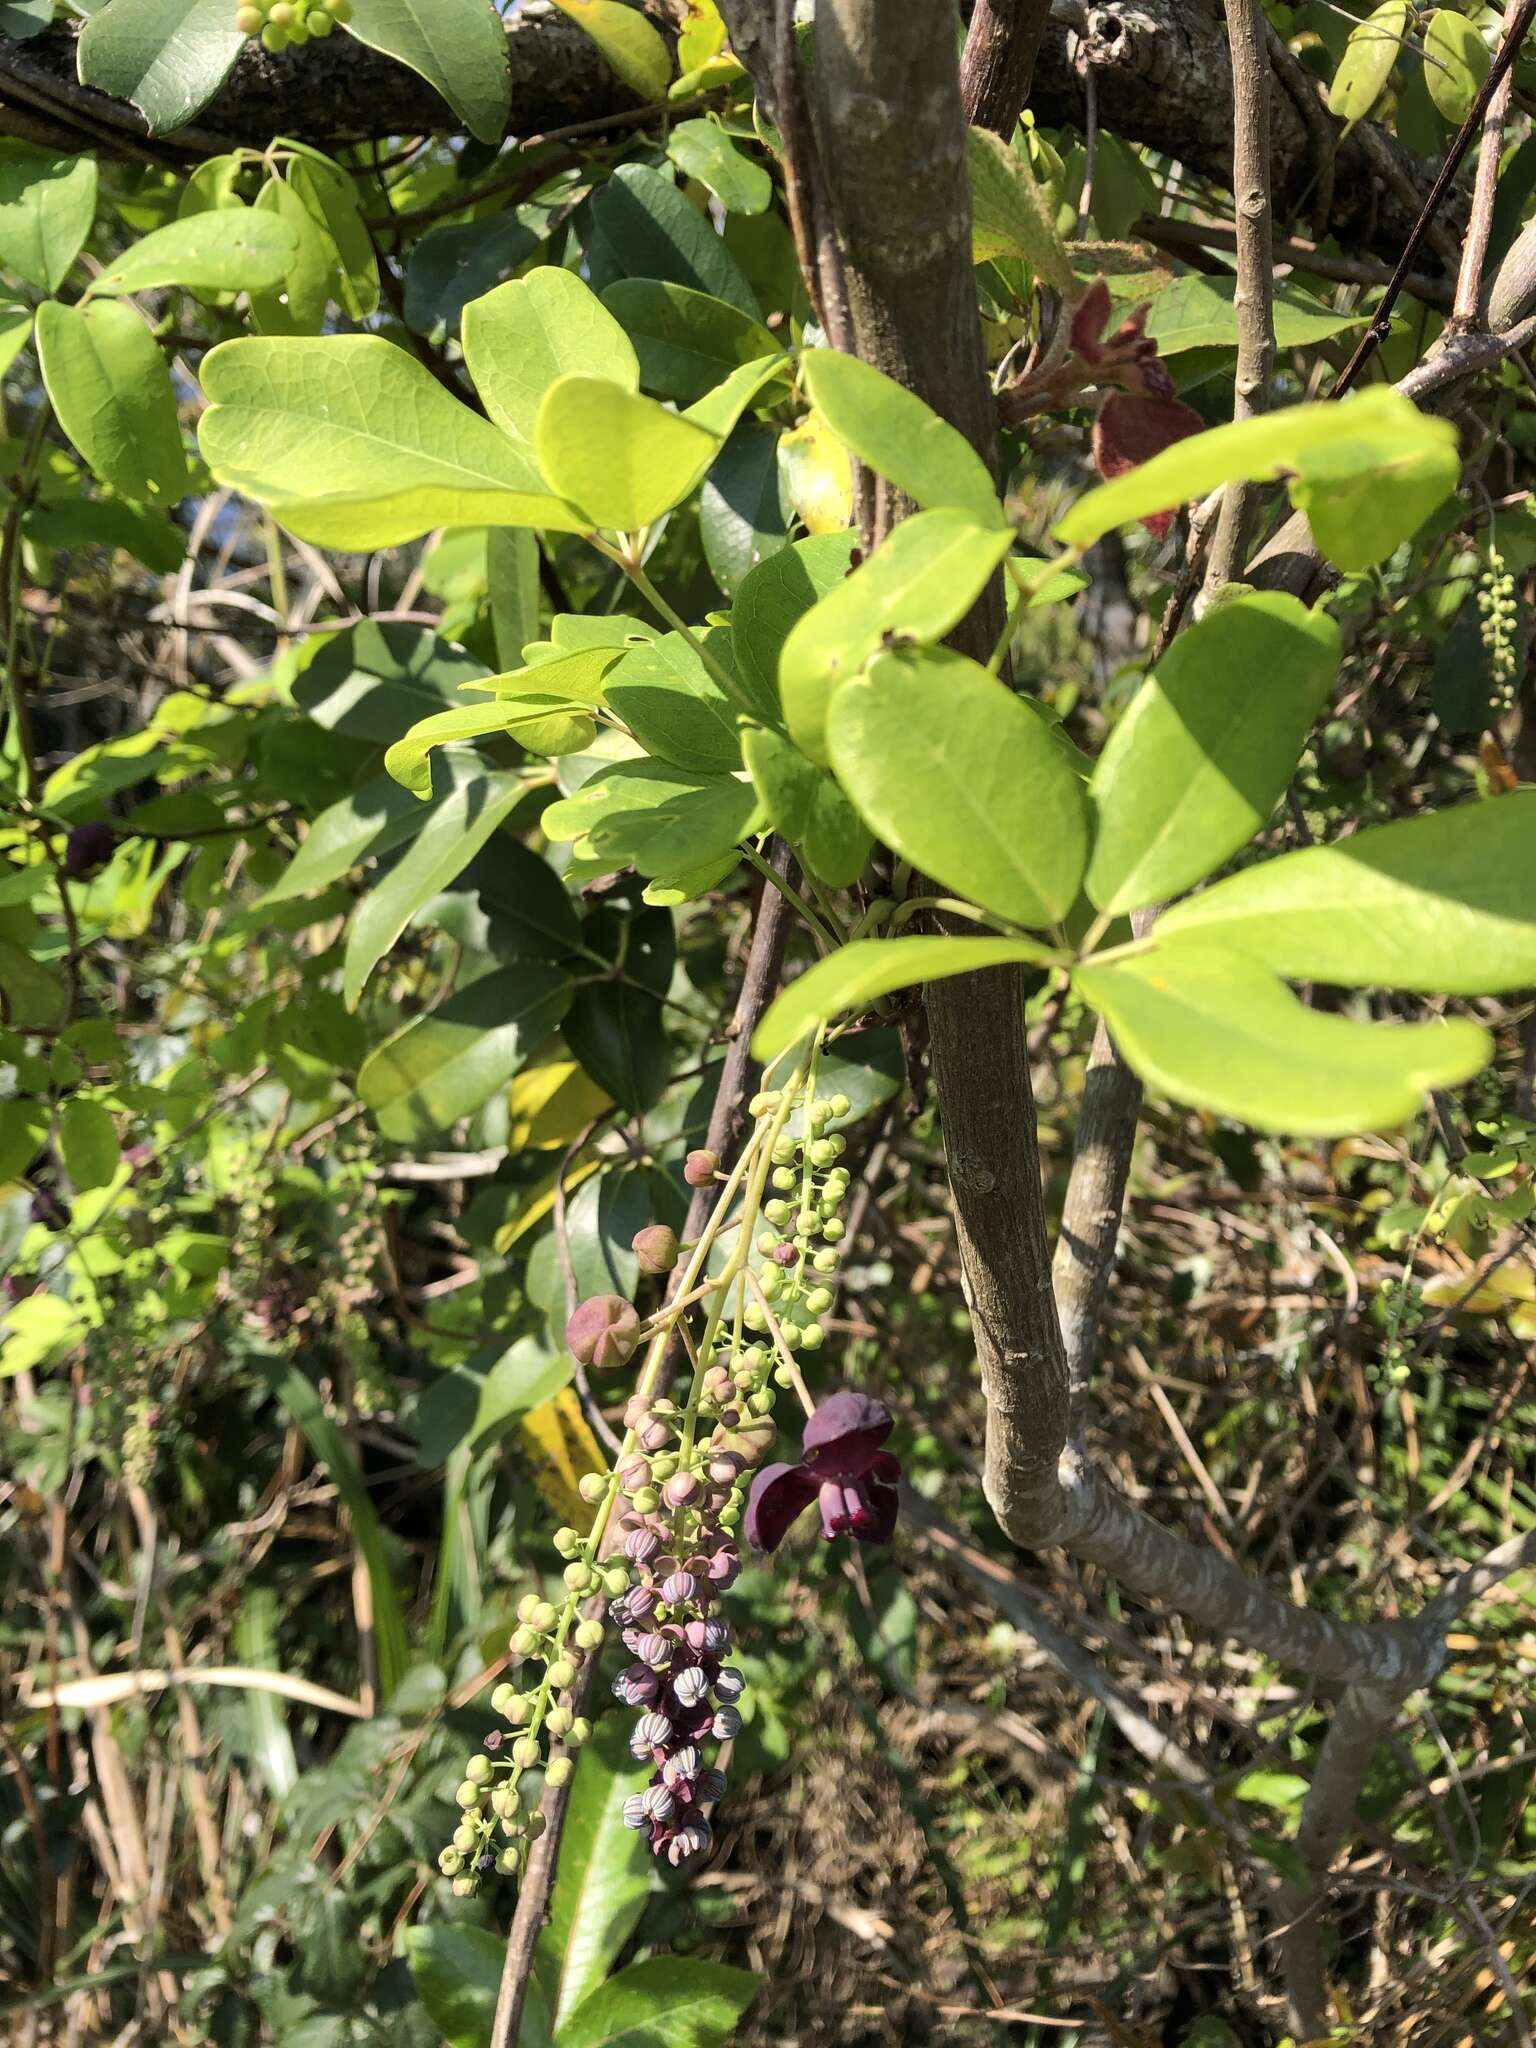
<point x="998" y="62"/>
<point x="339" y="92"/>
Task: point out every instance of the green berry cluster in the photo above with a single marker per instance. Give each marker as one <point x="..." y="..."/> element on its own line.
<point x="287" y="24"/>
<point x="1496" y="603"/>
<point x="497" y="1822"/>
<point x="804" y="1218"/>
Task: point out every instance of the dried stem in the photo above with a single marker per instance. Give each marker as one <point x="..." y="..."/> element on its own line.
<point x="1474" y="252"/>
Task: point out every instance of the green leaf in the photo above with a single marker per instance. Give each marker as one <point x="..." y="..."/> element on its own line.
<point x="685" y="340"/>
<point x="332" y="197"/>
<point x="921" y="580"/>
<point x="642" y="226"/>
<point x="1219" y="1030"/>
<point x="946" y="766"/>
<point x="541" y="720"/>
<point x="1199" y="312"/>
<point x="47" y="205"/>
<point x="1456" y="61"/>
<point x="354" y="443"/>
<point x="111" y="388"/>
<point x="1011" y="211"/>
<point x="519" y="339"/>
<point x="808" y="808"/>
<point x="512" y="571"/>
<point x="451" y="267"/>
<point x="633" y="50"/>
<point x="525" y="1375"/>
<point x="899" y="437"/>
<point x="15" y="331"/>
<point x="856" y="974"/>
<point x="360" y="827"/>
<point x="1204" y="753"/>
<point x="743" y="507"/>
<point x="719" y="410"/>
<point x="1441" y="904"/>
<point x="674" y="707"/>
<point x="703" y="150"/>
<point x="449" y="840"/>
<point x="235" y="249"/>
<point x="447" y="1064"/>
<point x="615" y="1028"/>
<point x="689" y="823"/>
<point x="298" y="1396"/>
<point x="297" y="303"/>
<point x="663" y="2001"/>
<point x="168" y="56"/>
<point x="23" y="1132"/>
<point x="622" y="458"/>
<point x="88" y="1142"/>
<point x="1358" y="516"/>
<point x="604" y="1875"/>
<point x="1369" y="55"/>
<point x="769" y="601"/>
<point x="458" y="46"/>
<point x="374" y="680"/>
<point x="1370" y="435"/>
<point x="23" y="19"/>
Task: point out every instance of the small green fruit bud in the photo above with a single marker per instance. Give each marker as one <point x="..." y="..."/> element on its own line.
<point x="578" y="1576"/>
<point x="580" y="1731"/>
<point x="839" y="1105"/>
<point x="463" y="1887"/>
<point x="545" y="1615"/>
<point x="502" y="1698"/>
<point x="592" y="1486"/>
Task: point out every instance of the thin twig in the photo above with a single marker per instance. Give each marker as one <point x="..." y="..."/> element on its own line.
<point x="1474" y="252"/>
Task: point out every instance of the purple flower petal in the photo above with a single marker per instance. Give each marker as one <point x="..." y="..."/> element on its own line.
<point x="843" y="1437"/>
<point x="864" y="1509"/>
<point x="779" y="1493"/>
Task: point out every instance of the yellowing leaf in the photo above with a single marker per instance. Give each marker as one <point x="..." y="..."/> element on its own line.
<point x="818" y="475"/>
<point x="1366" y="65"/>
<point x="631" y="48"/>
<point x="550" y="1106"/>
<point x="562" y="1450"/>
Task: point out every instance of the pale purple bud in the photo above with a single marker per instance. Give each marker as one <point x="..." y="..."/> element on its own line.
<point x="784" y="1255"/>
<point x="710" y="1788"/>
<point x="635" y="1685"/>
<point x="655" y="1650"/>
<point x="689" y="1841"/>
<point x="717" y="1637"/>
<point x="635" y="1815"/>
<point x="690" y="1686"/>
<point x="729" y="1684"/>
<point x="682" y="1767"/>
<point x="724" y="1568"/>
<point x="655" y="1247"/>
<point x="653" y="1434"/>
<point x="679" y="1589"/>
<point x="659" y="1803"/>
<point x="634" y="1473"/>
<point x="642" y="1602"/>
<point x="727" y="1723"/>
<point x="641" y="1545"/>
<point x="682" y="1488"/>
<point x="603" y="1331"/>
<point x="651" y="1731"/>
<point x="700" y="1168"/>
<point x="723" y="1467"/>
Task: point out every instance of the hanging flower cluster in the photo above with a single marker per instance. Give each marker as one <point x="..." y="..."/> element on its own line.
<point x="663" y="1546"/>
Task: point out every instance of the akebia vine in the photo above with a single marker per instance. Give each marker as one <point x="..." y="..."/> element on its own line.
<point x="599" y="710"/>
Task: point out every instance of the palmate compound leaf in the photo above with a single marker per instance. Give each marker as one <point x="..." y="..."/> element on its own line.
<point x="857" y="974"/>
<point x="352" y="443"/>
<point x="1368" y="470"/>
<point x="920" y="581"/>
<point x="1217" y="1028"/>
<point x="1441" y="904"/>
<point x="946" y="766"/>
<point x="1206" y="749"/>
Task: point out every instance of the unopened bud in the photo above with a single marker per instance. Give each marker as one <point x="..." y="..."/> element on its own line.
<point x="603" y="1331"/>
<point x="656" y="1248"/>
<point x="700" y="1168"/>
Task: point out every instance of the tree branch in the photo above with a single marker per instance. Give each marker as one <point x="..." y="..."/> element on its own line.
<point x="1255" y="294"/>
<point x="998" y="62"/>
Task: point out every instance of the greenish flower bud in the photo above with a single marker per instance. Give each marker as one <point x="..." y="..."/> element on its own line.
<point x="839" y="1105"/>
<point x="558" y="1720"/>
<point x="468" y="1793"/>
<point x="776" y="1212"/>
<point x="525" y="1752"/>
<point x="813" y="1336"/>
<point x="507" y="1862"/>
<point x="578" y="1576"/>
<point x="646" y="1500"/>
<point x="562" y="1672"/>
<point x="818" y="1299"/>
<point x="615" y="1581"/>
<point x="767" y="1243"/>
<point x="449" y="1861"/>
<point x="478" y="1770"/>
<point x="833" y="1229"/>
<point x="545" y="1615"/>
<point x="825" y="1262"/>
<point x="559" y="1771"/>
<point x="464" y="1838"/>
<point x="784" y="1177"/>
<point x="589" y="1634"/>
<point x="501" y="1699"/>
<point x="580" y="1731"/>
<point x="592" y="1486"/>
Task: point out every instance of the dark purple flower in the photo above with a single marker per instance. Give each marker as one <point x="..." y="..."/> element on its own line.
<point x="844" y="1468"/>
<point x="86" y="848"/>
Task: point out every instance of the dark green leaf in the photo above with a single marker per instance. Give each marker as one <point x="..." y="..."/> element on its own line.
<point x="451" y="266"/>
<point x="458" y="46"/>
<point x="604" y="1875"/>
<point x="445" y="1065"/>
<point x="743" y="508"/>
<point x="770" y="599"/>
<point x="807" y="807"/>
<point x="664" y="2003"/>
<point x="856" y="974"/>
<point x="377" y="679"/>
<point x="168" y="56"/>
<point x="457" y="1969"/>
<point x="47" y="205"/>
<point x="674" y="707"/>
<point x="686" y="341"/>
<point x="642" y="226"/>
